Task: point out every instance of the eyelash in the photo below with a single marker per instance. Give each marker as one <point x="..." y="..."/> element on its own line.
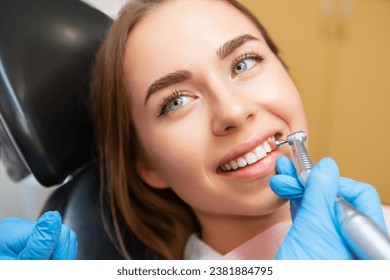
<point x="163" y="107"/>
<point x="252" y="55"/>
<point x="175" y="94"/>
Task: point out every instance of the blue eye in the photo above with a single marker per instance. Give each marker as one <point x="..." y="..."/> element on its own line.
<point x="245" y="62"/>
<point x="178" y="102"/>
<point x="174" y="102"/>
<point x="244" y="65"/>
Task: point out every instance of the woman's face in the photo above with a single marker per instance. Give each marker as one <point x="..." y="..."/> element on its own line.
<point x="207" y="91"/>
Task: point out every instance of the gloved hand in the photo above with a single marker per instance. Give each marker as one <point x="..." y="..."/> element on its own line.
<point x="315" y="233"/>
<point x="42" y="240"/>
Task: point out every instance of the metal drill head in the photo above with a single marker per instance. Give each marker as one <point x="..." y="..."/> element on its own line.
<point x="299" y="135"/>
<point x="280" y="143"/>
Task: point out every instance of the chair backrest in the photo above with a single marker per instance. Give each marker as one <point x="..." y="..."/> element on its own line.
<point x="46" y="51"/>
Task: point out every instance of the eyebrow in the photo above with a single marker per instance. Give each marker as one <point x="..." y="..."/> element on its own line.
<point x="182" y="75"/>
<point x="230" y="46"/>
<point x="168" y="80"/>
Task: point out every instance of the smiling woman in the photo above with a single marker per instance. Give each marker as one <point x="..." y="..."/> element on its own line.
<point x="187" y="106"/>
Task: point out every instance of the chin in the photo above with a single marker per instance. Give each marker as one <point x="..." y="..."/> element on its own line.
<point x="265" y="205"/>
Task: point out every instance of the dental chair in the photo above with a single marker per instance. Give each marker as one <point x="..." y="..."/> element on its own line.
<point x="46" y="51"/>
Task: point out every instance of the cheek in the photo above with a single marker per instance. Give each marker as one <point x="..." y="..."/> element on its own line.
<point x="175" y="151"/>
<point x="283" y="99"/>
<point x="180" y="157"/>
<point x="290" y="108"/>
<point x="294" y="114"/>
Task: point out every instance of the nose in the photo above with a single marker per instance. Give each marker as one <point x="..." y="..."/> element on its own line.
<point x="232" y="111"/>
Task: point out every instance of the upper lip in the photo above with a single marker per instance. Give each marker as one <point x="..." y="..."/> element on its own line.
<point x="246" y="147"/>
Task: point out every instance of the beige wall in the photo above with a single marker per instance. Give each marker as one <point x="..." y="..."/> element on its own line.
<point x="339" y="56"/>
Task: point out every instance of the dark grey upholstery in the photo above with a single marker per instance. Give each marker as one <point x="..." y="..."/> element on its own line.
<point x="46" y="51"/>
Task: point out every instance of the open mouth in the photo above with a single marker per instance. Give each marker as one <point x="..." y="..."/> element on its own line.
<point x="251" y="157"/>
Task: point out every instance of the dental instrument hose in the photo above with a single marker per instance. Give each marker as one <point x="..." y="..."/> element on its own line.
<point x="364" y="237"/>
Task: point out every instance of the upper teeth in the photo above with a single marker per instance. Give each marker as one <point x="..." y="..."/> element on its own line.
<point x="249" y="158"/>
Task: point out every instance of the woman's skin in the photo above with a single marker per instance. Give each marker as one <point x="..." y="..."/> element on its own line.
<point x="226" y="93"/>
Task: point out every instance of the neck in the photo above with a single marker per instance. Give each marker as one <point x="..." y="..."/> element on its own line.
<point x="226" y="232"/>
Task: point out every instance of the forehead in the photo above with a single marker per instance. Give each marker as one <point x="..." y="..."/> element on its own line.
<point x="180" y="32"/>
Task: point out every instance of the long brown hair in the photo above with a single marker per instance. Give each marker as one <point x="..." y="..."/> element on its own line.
<point x="158" y="218"/>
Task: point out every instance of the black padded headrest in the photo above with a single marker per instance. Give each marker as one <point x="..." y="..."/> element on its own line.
<point x="46" y="51"/>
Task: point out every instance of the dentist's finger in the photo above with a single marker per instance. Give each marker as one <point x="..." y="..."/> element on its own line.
<point x="43" y="238"/>
<point x="363" y="197"/>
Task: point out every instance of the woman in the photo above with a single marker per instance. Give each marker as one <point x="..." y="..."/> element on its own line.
<point x="188" y="100"/>
<point x="187" y="96"/>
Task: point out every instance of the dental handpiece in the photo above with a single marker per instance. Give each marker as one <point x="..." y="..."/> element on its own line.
<point x="364" y="237"/>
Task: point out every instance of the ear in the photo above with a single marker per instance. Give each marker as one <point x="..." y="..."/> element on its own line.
<point x="150" y="176"/>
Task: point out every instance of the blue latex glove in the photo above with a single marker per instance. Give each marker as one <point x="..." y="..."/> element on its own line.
<point x="315" y="233"/>
<point x="42" y="240"/>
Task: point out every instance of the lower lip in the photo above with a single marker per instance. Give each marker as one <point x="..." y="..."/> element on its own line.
<point x="257" y="170"/>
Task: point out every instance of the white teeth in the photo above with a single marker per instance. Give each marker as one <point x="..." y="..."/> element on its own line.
<point x="250" y="158"/>
<point x="267" y="147"/>
<point x="260" y="152"/>
<point x="257" y="154"/>
<point x="234" y="164"/>
<point x="241" y="162"/>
